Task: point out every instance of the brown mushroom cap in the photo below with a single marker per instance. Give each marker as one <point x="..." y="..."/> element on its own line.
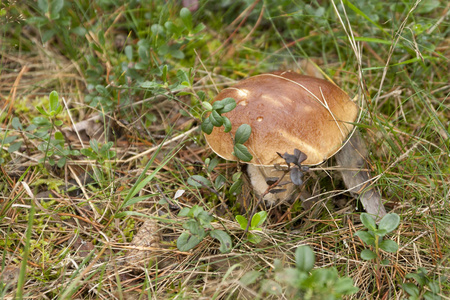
<point x="286" y="110"/>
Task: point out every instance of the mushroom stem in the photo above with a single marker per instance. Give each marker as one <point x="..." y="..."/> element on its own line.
<point x="261" y="175"/>
<point x="353" y="156"/>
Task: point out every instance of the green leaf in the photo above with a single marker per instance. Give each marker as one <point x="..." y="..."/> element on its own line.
<point x="204" y="217"/>
<point x="411" y="289"/>
<point x="55" y="8"/>
<point x="304" y="258"/>
<point x="380" y="232"/>
<point x="216" y="119"/>
<point x="226" y="124"/>
<point x="47" y="35"/>
<point x="88" y="153"/>
<point x="262" y="216"/>
<point x="253" y="238"/>
<point x="226" y="105"/>
<point x="186" y="241"/>
<point x="224" y="239"/>
<point x="31" y="127"/>
<point x="110" y="154"/>
<point x="367" y="254"/>
<point x="177" y="53"/>
<point x="212" y="164"/>
<point x="61" y="162"/>
<point x="101" y="37"/>
<point x="14" y="147"/>
<point x="143" y="54"/>
<point x="10" y="139"/>
<point x="431" y="296"/>
<point x="389" y="246"/>
<point x="41" y="121"/>
<point x="101" y="89"/>
<point x="50" y="160"/>
<point x="129" y="52"/>
<point x="250" y="277"/>
<point x="359" y="12"/>
<point x="241" y="152"/>
<point x="157" y="29"/>
<point x="291" y="276"/>
<point x="202" y="96"/>
<point x="150" y="84"/>
<point x="43" y="6"/>
<point x="198" y="181"/>
<point x="106" y="147"/>
<point x="94" y="145"/>
<point x="207" y="126"/>
<point x="218" y="105"/>
<point x="54" y="101"/>
<point x="219" y="182"/>
<point x="199" y="28"/>
<point x="389" y="222"/>
<point x="242" y="221"/>
<point x="434" y="287"/>
<point x="59" y="136"/>
<point x="79" y="30"/>
<point x="194" y="227"/>
<point x="135" y="200"/>
<point x="419" y="278"/>
<point x="271" y="287"/>
<point x="344" y="286"/>
<point x="184" y="212"/>
<point x="255" y="220"/>
<point x="427" y="6"/>
<point x="320" y="277"/>
<point x="366" y="237"/>
<point x="236" y="187"/>
<point x="16" y="123"/>
<point x="172" y="28"/>
<point x="184" y="77"/>
<point x="207" y="106"/>
<point x="42" y="111"/>
<point x="368" y="221"/>
<point x="186" y="17"/>
<point x="242" y="134"/>
<point x="58" y="123"/>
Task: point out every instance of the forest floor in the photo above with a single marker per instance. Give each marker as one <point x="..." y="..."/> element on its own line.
<point x="101" y="106"/>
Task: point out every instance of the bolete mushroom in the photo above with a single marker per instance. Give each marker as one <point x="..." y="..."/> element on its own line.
<point x="286" y="111"/>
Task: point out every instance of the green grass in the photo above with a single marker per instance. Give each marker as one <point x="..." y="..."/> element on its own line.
<point x="141" y="70"/>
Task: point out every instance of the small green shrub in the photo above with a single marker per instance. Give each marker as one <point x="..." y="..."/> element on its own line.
<point x="47" y="129"/>
<point x="373" y="237"/>
<point x="198" y="227"/>
<point x="302" y="282"/>
<point x="425" y="288"/>
<point x="215" y="119"/>
<point x="257" y="220"/>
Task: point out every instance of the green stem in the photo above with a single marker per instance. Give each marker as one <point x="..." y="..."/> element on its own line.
<point x="377" y="252"/>
<point x="49" y="140"/>
<point x="26" y="251"/>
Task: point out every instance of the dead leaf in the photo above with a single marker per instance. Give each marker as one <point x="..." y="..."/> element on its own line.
<point x="10" y="276"/>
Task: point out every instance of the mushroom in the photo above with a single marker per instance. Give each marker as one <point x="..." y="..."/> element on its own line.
<point x="286" y="111"/>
